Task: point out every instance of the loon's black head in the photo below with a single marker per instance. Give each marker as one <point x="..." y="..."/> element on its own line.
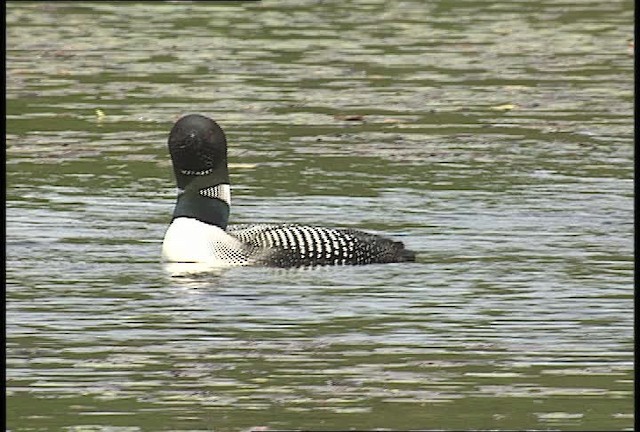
<point x="198" y="150"/>
<point x="198" y="147"/>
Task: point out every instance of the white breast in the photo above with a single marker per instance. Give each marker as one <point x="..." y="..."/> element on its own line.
<point x="189" y="240"/>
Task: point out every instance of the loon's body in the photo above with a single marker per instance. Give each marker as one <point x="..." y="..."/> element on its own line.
<point x="199" y="233"/>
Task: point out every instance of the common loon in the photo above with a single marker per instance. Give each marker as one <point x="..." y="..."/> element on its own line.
<point x="198" y="232"/>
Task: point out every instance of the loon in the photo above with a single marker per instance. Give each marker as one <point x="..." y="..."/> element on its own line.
<point x="198" y="232"/>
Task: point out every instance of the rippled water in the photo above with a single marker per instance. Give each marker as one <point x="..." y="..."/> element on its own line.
<point x="494" y="139"/>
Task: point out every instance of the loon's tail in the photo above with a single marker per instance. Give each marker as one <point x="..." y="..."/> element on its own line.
<point x="400" y="253"/>
<point x="406" y="255"/>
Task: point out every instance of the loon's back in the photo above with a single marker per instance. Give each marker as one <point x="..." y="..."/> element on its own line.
<point x="292" y="245"/>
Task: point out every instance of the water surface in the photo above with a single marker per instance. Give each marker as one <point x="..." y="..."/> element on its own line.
<point x="495" y="140"/>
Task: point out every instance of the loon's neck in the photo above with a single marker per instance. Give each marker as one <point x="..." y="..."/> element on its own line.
<point x="206" y="199"/>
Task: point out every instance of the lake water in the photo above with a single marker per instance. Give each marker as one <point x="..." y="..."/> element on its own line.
<point x="495" y="139"/>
